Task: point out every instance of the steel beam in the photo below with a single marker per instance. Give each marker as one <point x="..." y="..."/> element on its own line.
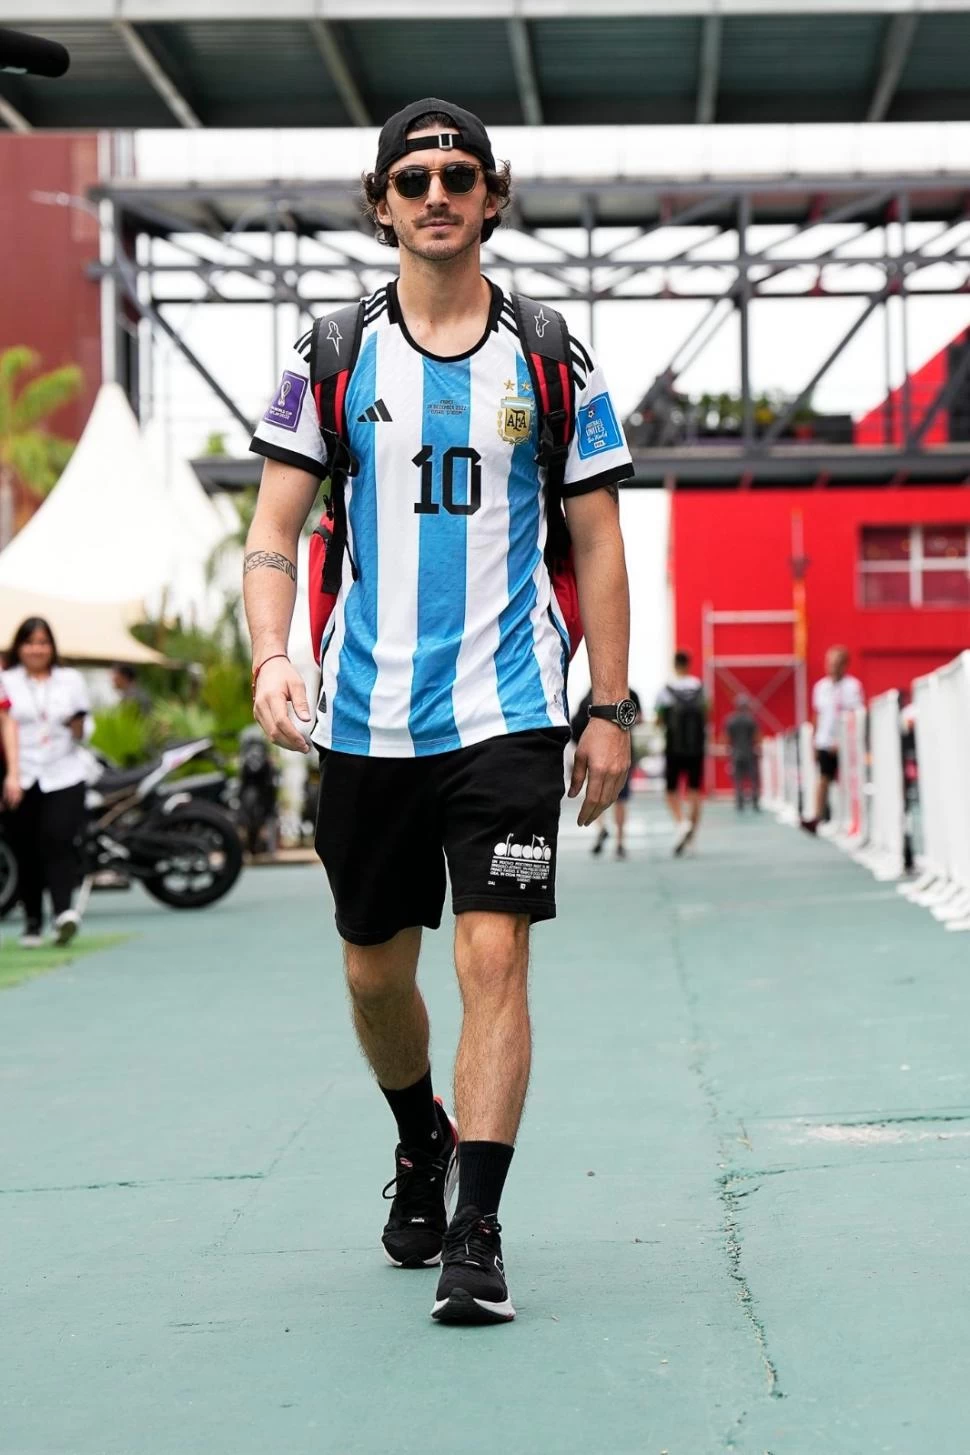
<point x="900" y="33"/>
<point x="709" y="70"/>
<point x="523" y="66"/>
<point x="157" y="75"/>
<point x="340" y="73"/>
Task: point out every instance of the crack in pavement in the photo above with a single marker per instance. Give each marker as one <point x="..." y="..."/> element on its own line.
<point x="728" y="1196"/>
<point x="135" y="1182"/>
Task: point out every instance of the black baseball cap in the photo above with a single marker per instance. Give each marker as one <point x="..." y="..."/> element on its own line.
<point x="467" y="133"/>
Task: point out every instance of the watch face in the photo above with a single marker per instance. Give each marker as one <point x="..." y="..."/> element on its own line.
<point x="626" y="713"/>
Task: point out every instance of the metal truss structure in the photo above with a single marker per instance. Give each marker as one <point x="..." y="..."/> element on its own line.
<point x="593" y="242"/>
<point x="324" y="63"/>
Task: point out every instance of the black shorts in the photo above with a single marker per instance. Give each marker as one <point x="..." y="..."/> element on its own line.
<point x="828" y="763"/>
<point x="386" y="827"/>
<point x="684" y="765"/>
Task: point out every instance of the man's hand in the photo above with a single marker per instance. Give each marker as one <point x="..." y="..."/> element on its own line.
<point x="279" y="684"/>
<point x="602" y="762"/>
<point x="12" y="791"/>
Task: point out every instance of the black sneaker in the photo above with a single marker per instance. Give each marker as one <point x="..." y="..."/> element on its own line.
<point x="472" y="1287"/>
<point x="601" y="839"/>
<point x="423" y="1186"/>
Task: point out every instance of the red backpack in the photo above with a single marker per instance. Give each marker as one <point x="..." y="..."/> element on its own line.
<point x="334" y="347"/>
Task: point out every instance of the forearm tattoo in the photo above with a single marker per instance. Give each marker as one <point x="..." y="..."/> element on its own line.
<point x="273" y="559"/>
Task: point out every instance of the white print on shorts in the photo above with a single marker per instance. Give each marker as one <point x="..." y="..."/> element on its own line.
<point x="526" y="863"/>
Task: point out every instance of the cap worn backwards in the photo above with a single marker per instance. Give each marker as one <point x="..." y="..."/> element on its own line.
<point x="467" y="133"/>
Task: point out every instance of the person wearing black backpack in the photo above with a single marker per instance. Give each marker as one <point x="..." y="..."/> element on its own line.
<point x="473" y="453"/>
<point x="682" y="709"/>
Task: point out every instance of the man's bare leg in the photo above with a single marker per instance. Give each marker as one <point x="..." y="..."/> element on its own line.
<point x="392" y="1026"/>
<point x="673" y="803"/>
<point x="389" y="1013"/>
<point x="491" y="1077"/>
<point x="495" y="1050"/>
<point x="694" y="803"/>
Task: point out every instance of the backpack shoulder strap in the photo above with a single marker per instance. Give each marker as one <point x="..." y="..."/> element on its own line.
<point x="334" y="347"/>
<point x="545" y="342"/>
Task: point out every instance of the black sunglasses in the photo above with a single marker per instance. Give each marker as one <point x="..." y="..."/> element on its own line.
<point x="456" y="177"/>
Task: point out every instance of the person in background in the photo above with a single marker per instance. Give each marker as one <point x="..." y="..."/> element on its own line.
<point x="741" y="730"/>
<point x="45" y="778"/>
<point x="124" y="680"/>
<point x="682" y="709"/>
<point x="833" y="694"/>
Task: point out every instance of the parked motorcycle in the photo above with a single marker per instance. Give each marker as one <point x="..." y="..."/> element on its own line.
<point x="184" y="848"/>
<point x="141" y="824"/>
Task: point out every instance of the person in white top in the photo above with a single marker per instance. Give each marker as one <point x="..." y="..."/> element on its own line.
<point x="833" y="695"/>
<point x="45" y="779"/>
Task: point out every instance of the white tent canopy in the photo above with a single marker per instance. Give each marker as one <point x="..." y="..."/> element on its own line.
<point x="112" y="531"/>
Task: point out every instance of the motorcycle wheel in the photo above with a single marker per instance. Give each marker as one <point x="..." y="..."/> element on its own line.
<point x="9" y="877"/>
<point x="192" y="882"/>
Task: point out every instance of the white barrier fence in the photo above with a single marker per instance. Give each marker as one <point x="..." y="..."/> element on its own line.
<point x="868" y="804"/>
<point x="942" y="702"/>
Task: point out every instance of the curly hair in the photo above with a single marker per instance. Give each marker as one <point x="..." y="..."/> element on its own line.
<point x="374" y="189"/>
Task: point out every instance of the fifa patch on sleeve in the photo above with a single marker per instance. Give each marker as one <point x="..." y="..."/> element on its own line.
<point x="284" y="410"/>
<point x="596" y="428"/>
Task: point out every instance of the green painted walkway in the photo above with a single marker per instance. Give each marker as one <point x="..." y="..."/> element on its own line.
<point x="737" y="1220"/>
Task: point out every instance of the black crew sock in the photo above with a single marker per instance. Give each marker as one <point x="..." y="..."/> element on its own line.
<point x="416" y="1114"/>
<point x="482" y="1170"/>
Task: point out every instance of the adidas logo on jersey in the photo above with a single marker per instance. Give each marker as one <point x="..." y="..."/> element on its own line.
<point x="375" y="414"/>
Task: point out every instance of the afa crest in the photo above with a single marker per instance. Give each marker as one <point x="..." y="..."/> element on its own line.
<point x="515" y="419"/>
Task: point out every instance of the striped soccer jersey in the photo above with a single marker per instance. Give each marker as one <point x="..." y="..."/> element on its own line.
<point x="450" y="633"/>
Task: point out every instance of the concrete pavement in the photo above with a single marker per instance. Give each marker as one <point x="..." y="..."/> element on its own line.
<point x="736" y="1219"/>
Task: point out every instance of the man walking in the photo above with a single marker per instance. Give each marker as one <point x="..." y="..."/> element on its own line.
<point x="834" y="694"/>
<point x="442" y="716"/>
<point x="741" y="731"/>
<point x="682" y="711"/>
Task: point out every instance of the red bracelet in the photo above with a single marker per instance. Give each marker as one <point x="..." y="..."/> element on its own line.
<point x="257" y="670"/>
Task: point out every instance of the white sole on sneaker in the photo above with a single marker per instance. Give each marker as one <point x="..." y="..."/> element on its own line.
<point x="460" y="1308"/>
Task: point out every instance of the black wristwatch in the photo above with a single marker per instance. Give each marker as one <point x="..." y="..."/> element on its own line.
<point x="624" y="713"/>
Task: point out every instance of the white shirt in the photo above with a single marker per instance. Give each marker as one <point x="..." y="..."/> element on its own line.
<point x="450" y="634"/>
<point x="49" y="753"/>
<point x="830" y="699"/>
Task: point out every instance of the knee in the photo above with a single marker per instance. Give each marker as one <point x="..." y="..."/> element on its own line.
<point x="379" y="974"/>
<point x="492" y="955"/>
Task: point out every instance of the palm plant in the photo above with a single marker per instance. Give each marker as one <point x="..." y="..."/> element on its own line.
<point x="28" y="451"/>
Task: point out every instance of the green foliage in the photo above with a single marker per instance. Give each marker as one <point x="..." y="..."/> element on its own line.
<point x="175" y="721"/>
<point x="123" y="734"/>
<point x="27" y="448"/>
<point x="215" y="444"/>
<point x="226" y="693"/>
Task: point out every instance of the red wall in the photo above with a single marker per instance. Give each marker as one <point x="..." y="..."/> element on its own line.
<point x="884" y="424"/>
<point x="733" y="549"/>
<point x="46" y="300"/>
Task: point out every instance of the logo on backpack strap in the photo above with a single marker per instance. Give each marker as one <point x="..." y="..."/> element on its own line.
<point x="334" y="336"/>
<point x="542" y="322"/>
<point x="515" y="419"/>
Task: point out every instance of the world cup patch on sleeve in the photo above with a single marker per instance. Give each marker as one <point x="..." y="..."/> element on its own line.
<point x="284" y="409"/>
<point x="596" y="428"/>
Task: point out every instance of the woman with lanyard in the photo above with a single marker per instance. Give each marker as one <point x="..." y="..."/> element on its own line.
<point x="45" y="779"/>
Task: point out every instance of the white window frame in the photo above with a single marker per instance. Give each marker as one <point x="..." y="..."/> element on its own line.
<point x="917" y="565"/>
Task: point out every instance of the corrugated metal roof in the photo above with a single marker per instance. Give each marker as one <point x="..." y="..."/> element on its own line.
<point x="588" y="67"/>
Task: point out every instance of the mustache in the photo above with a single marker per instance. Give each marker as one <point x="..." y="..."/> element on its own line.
<point x="432" y="217"/>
